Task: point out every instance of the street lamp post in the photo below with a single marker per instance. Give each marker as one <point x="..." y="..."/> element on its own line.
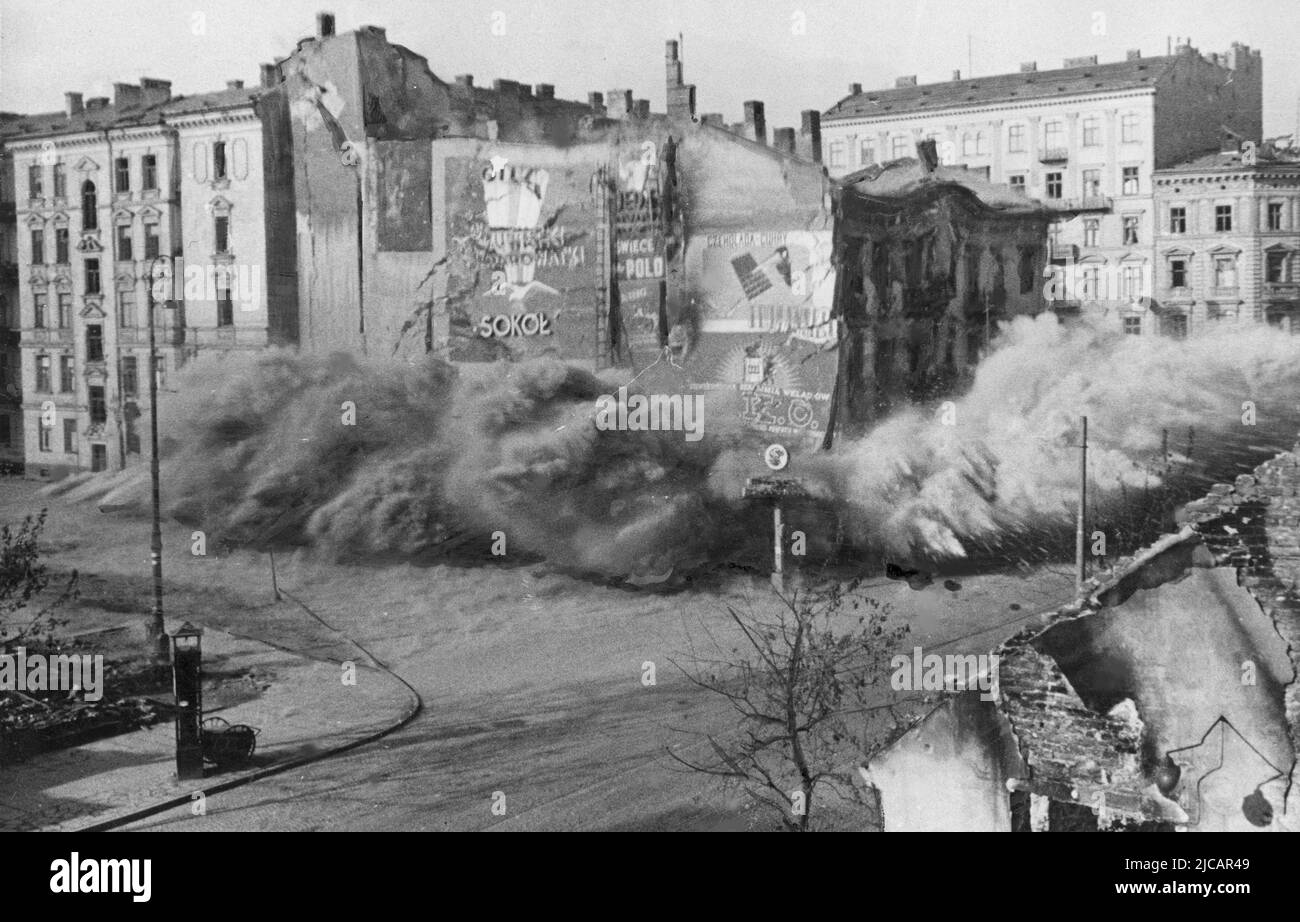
<point x="157" y="633"/>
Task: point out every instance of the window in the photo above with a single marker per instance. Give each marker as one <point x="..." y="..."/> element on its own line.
<point x="1017" y="181"/>
<point x="867" y="152"/>
<point x="219" y="160"/>
<point x="1222" y="218"/>
<point x="1274" y="215"/>
<point x="1133" y="326"/>
<point x="1131" y="282"/>
<point x="968" y="145"/>
<point x="1091" y="283"/>
<point x="1175" y="326"/>
<point x="1054" y="185"/>
<point x="98" y="406"/>
<point x="61" y="246"/>
<point x="149" y="172"/>
<point x="1091" y="183"/>
<point x="39" y="310"/>
<point x="60" y="181"/>
<point x="121" y="175"/>
<point x="35" y="181"/>
<point x="124" y="243"/>
<point x="65" y="310"/>
<point x="222" y="232"/>
<point x="1177" y="219"/>
<point x="66" y="369"/>
<point x="1092" y="131"/>
<point x="1225" y="272"/>
<point x="130" y="375"/>
<point x="1091" y="230"/>
<point x="837" y="154"/>
<point x="94" y="342"/>
<point x="89" y="206"/>
<point x="1177" y="273"/>
<point x="1016" y="139"/>
<point x="225" y="307"/>
<point x="43" y="374"/>
<point x="70" y="436"/>
<point x="92" y="276"/>
<point x="126" y="308"/>
<point x="43" y="437"/>
<point x="1278" y="264"/>
<point x="898" y="146"/>
<point x="1128" y="127"/>
<point x="1131" y="223"/>
<point x="150" y="241"/>
<point x="38" y="247"/>
<point x="1053" y="135"/>
<point x="1130" y="184"/>
<point x="1028" y="260"/>
<point x="99" y="457"/>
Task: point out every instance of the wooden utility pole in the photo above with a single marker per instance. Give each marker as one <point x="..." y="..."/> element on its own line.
<point x="1080" y="560"/>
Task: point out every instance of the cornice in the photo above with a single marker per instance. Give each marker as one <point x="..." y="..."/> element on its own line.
<point x="977" y="108"/>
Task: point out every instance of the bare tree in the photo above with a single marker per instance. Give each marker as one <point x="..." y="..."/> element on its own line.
<point x="803" y="681"/>
<point x="24" y="579"/>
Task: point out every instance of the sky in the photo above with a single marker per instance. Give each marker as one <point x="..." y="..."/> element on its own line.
<point x="792" y="54"/>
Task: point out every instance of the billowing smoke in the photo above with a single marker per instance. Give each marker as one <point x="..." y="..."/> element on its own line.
<point x="403" y="459"/>
<point x="1003" y="459"/>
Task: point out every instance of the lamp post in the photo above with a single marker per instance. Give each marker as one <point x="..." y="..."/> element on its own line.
<point x="156" y="632"/>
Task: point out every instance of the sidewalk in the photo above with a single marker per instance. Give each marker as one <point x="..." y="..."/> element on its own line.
<point x="306" y="710"/>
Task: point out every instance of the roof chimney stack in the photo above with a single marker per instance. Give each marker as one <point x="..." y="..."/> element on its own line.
<point x="1028" y="67"/>
<point x="324" y="25"/>
<point x="956" y="75"/>
<point x="755" y="121"/>
<point x="72" y="104"/>
<point x="270" y="75"/>
<point x="234" y="84"/>
<point x="855" y="89"/>
<point x="909" y="80"/>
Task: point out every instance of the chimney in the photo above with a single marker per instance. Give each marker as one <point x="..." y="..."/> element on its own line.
<point x="672" y="65"/>
<point x="234" y="84"/>
<point x="641" y="108"/>
<point x="596" y="102"/>
<point x="127" y="94"/>
<point x="855" y="89"/>
<point x="96" y="102"/>
<point x="1134" y="54"/>
<point x="155" y="90"/>
<point x="1085" y="61"/>
<point x="270" y="75"/>
<point x="783" y="140"/>
<point x="927" y="151"/>
<point x="545" y="91"/>
<point x="72" y="104"/>
<point x="809" y="142"/>
<point x="956" y="75"/>
<point x="909" y="80"/>
<point x="324" y="25"/>
<point x="1231" y="143"/>
<point x="714" y="119"/>
<point x="526" y="89"/>
<point x="681" y="96"/>
<point x="465" y="80"/>
<point x="618" y="104"/>
<point x="755" y="121"/>
<point x="1028" y="67"/>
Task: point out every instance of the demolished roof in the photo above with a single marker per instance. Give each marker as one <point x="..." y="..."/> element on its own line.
<point x="908" y="179"/>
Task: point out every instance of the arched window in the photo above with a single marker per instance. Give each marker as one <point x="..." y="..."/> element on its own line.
<point x="89" y="206"/>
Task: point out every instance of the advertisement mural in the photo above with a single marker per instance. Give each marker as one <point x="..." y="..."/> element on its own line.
<point x="766" y="348"/>
<point x="523" y="272"/>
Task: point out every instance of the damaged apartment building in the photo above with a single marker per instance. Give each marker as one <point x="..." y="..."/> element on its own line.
<point x="1164" y="698"/>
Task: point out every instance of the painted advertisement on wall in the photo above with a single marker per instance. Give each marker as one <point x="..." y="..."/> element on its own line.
<point x="523" y="269"/>
<point x="766" y="345"/>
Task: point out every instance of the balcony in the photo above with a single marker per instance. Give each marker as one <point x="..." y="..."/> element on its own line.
<point x="40" y="336"/>
<point x="1089" y="203"/>
<point x="1054" y="155"/>
<point x="1062" y="251"/>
